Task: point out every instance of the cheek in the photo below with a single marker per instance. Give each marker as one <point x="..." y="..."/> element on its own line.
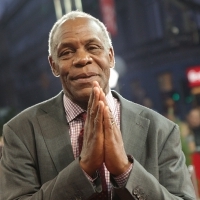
<point x="64" y="68"/>
<point x="64" y="72"/>
<point x="106" y="69"/>
<point x="106" y="75"/>
<point x="105" y="80"/>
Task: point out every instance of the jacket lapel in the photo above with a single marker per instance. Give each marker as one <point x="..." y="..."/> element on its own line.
<point x="55" y="131"/>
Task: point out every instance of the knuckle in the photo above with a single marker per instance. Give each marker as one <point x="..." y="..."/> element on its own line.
<point x="92" y="112"/>
<point x="96" y="121"/>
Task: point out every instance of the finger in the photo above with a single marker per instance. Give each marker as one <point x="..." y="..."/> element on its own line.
<point x="108" y="123"/>
<point x="94" y="105"/>
<point x="111" y="129"/>
<point x="96" y="84"/>
<point x="88" y="124"/>
<point x="115" y="156"/>
<point x="102" y="94"/>
<point x="103" y="97"/>
<point x="93" y="97"/>
<point x="98" y="125"/>
<point x="90" y="99"/>
<point x="95" y="94"/>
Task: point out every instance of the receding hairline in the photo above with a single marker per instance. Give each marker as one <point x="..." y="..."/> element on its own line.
<point x="77" y="18"/>
<point x="73" y="15"/>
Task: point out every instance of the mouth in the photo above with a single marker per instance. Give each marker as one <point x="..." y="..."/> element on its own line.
<point x="85" y="76"/>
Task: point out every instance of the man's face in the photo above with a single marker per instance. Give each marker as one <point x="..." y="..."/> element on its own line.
<point x="81" y="58"/>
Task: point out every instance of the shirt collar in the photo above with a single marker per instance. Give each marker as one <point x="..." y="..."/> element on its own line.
<point x="73" y="110"/>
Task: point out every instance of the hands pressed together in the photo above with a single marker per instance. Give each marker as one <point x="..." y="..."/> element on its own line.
<point x="102" y="141"/>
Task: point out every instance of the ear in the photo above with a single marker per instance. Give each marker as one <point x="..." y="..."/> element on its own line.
<point x="112" y="58"/>
<point x="54" y="67"/>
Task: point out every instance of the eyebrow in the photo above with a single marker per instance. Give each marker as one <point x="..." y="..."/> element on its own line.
<point x="70" y="43"/>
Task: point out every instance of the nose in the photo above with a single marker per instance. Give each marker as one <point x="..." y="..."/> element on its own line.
<point x="81" y="58"/>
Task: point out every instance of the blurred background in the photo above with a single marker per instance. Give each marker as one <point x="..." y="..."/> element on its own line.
<point x="157" y="52"/>
<point x="156" y="42"/>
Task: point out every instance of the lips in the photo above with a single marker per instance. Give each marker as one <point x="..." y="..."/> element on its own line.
<point x="84" y="76"/>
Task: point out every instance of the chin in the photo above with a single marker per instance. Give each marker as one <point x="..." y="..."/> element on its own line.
<point x="82" y="101"/>
<point x="85" y="93"/>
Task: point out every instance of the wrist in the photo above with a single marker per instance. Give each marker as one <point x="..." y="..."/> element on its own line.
<point x="88" y="169"/>
<point x="126" y="166"/>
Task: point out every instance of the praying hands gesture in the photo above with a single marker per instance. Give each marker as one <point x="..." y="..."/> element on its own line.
<point x="102" y="141"/>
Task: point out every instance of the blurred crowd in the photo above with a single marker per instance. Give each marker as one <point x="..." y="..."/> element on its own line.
<point x="190" y="138"/>
<point x="193" y="137"/>
<point x="189" y="130"/>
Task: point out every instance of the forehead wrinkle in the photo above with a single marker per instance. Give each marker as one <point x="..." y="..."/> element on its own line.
<point x="72" y="31"/>
<point x="72" y="41"/>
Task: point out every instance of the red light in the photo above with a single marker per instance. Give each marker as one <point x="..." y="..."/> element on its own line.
<point x="193" y="76"/>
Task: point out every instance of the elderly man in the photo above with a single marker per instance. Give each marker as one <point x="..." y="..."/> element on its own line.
<point x="89" y="142"/>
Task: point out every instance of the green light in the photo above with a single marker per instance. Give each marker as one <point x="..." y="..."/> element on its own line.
<point x="176" y="97"/>
<point x="189" y="99"/>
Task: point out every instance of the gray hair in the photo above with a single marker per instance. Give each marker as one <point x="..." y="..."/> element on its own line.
<point x="73" y="15"/>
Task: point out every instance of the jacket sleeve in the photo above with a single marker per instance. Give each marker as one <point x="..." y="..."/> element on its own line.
<point x="174" y="181"/>
<point x="20" y="175"/>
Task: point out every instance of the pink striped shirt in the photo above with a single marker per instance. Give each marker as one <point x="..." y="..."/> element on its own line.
<point x="76" y="124"/>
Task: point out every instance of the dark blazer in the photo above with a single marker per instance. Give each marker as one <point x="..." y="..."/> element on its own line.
<point x="38" y="162"/>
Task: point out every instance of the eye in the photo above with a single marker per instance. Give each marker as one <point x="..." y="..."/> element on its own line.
<point x="93" y="48"/>
<point x="66" y="54"/>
